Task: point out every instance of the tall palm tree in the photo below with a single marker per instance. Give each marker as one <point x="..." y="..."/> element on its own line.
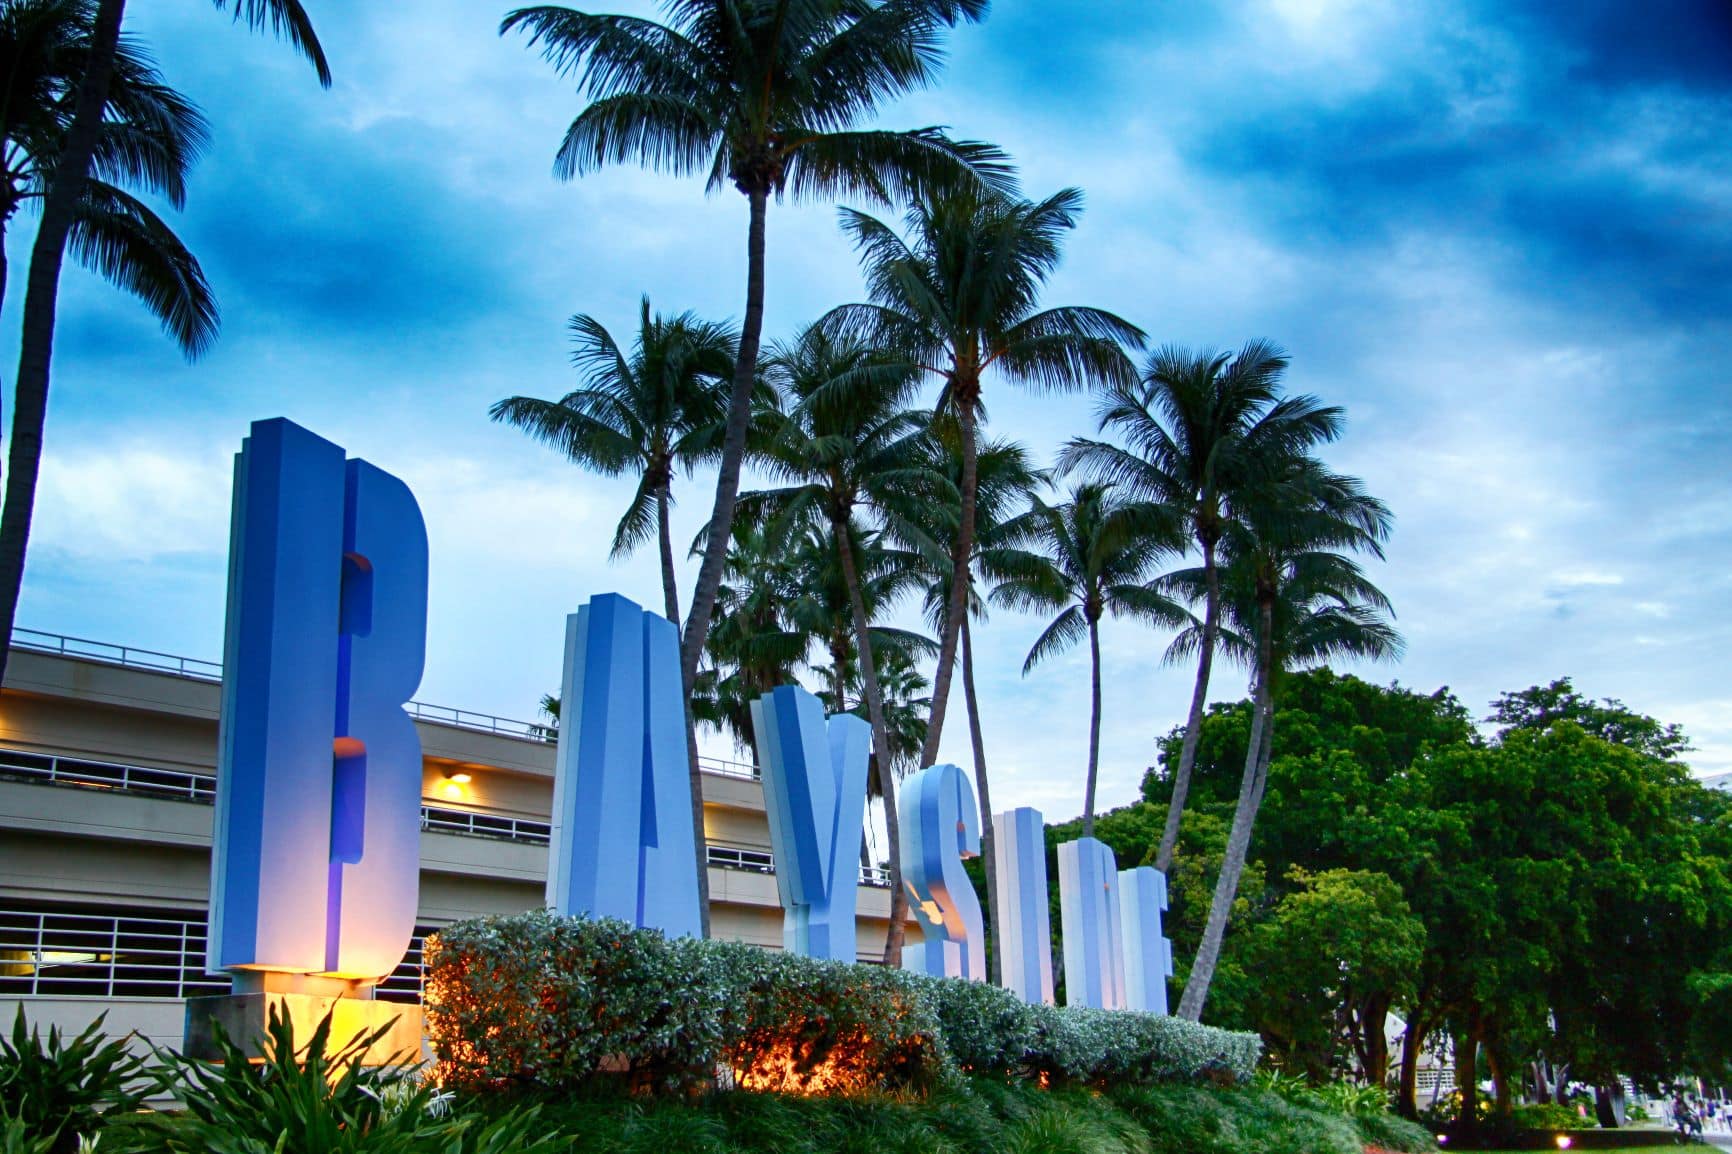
<point x="849" y="446"/>
<point x="1086" y="558"/>
<point x="66" y="193"/>
<point x="1200" y="430"/>
<point x="150" y="139"/>
<point x="754" y="646"/>
<point x="1294" y="599"/>
<point x="660" y="408"/>
<point x="1005" y="481"/>
<point x="766" y="95"/>
<point x="959" y="297"/>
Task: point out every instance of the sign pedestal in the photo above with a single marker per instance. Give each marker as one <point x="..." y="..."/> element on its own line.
<point x="244" y="1015"/>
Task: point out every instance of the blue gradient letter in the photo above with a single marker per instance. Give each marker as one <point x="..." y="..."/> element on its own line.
<point x="623" y="844"/>
<point x="316" y="862"/>
<point x="1088" y="904"/>
<point x="1019" y="861"/>
<point x="940" y="827"/>
<point x="1148" y="954"/>
<point x="815" y="792"/>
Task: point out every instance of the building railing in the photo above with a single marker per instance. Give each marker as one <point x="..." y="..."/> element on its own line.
<point x="200" y="788"/>
<point x="197" y="669"/>
<point x="69" y="952"/>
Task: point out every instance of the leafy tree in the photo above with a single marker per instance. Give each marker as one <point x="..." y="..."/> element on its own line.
<point x="1294" y="601"/>
<point x="1335" y="955"/>
<point x="67" y="198"/>
<point x="958" y="297"/>
<point x="657" y="409"/>
<point x="1538" y="707"/>
<point x="1200" y="431"/>
<point x="1090" y="557"/>
<point x="765" y="95"/>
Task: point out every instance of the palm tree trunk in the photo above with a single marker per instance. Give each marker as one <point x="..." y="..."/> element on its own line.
<point x="987" y="845"/>
<point x="880" y="748"/>
<point x="722" y="516"/>
<point x="1199" y="700"/>
<point x="670" y="583"/>
<point x="1094" y="727"/>
<point x="41" y="301"/>
<point x="958" y="607"/>
<point x="1238" y="842"/>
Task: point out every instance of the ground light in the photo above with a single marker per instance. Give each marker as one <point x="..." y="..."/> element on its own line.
<point x="1564" y="1142"/>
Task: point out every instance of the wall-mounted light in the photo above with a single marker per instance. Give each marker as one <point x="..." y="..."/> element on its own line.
<point x="459" y="777"/>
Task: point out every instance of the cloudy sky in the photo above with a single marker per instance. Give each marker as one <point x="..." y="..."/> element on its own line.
<point x="1498" y="233"/>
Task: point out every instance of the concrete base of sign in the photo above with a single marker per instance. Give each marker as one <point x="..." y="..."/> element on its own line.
<point x="243" y="1016"/>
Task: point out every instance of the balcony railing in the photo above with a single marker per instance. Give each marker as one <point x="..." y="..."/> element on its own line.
<point x="197" y="669"/>
<point x="200" y="788"/>
<point x="71" y="952"/>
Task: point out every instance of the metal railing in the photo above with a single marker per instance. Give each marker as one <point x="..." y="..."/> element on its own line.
<point x="469" y="823"/>
<point x="762" y="861"/>
<point x="200" y="788"/>
<point x="197" y="669"/>
<point x="722" y="767"/>
<point x="73" y="952"/>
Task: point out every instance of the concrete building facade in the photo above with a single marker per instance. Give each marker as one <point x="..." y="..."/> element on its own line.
<point x="107" y="774"/>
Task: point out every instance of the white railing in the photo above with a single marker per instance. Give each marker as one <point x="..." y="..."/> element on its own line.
<point x="74" y="953"/>
<point x="762" y="861"/>
<point x="722" y="767"/>
<point x="198" y="669"/>
<point x="468" y="822"/>
<point x="70" y="771"/>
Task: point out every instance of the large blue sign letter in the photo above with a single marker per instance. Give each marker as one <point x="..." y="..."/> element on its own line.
<point x="623" y="844"/>
<point x="316" y="862"/>
<point x="1094" y="968"/>
<point x="1019" y="861"/>
<point x="1148" y="953"/>
<point x="815" y="792"/>
<point x="940" y="827"/>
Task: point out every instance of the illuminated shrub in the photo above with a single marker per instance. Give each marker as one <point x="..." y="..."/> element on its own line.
<point x="801" y="1025"/>
<point x="540" y="1000"/>
<point x="543" y="1000"/>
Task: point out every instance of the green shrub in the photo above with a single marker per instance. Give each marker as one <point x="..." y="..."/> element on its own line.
<point x="61" y="1090"/>
<point x="799" y="1024"/>
<point x="1389" y="1131"/>
<point x="540" y="1000"/>
<point x="1549" y="1116"/>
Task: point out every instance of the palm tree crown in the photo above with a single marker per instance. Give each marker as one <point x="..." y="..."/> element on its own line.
<point x="959" y="296"/>
<point x="1090" y="557"/>
<point x="657" y="409"/>
<point x="149" y="140"/>
<point x="1201" y="430"/>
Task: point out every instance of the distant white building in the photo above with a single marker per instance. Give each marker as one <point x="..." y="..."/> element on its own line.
<point x="1717" y="781"/>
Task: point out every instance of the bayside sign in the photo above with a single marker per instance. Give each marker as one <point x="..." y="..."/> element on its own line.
<point x="316" y="865"/>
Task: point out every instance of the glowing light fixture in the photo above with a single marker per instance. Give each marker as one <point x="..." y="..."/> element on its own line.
<point x="460" y="777"/>
<point x="1564" y="1142"/>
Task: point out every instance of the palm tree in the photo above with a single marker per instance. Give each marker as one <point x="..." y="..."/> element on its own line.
<point x="1005" y="481"/>
<point x="764" y="95"/>
<point x="660" y="408"/>
<point x="959" y="298"/>
<point x="1091" y="557"/>
<point x="1293" y="601"/>
<point x="754" y="646"/>
<point x="150" y="138"/>
<point x="1200" y="429"/>
<point x="64" y="200"/>
<point x="850" y="446"/>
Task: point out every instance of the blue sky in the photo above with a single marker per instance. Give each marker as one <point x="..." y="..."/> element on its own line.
<point x="1498" y="233"/>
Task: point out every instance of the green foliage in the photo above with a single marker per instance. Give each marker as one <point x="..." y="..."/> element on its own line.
<point x="318" y="1098"/>
<point x="1550" y="1116"/>
<point x="17" y="1137"/>
<point x="60" y="1088"/>
<point x="543" y="1001"/>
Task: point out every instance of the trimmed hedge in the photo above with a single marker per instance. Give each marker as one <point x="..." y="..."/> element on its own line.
<point x="544" y="1001"/>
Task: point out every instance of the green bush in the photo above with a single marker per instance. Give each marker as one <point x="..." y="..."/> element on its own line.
<point x="1549" y="1116"/>
<point x="544" y="1001"/>
<point x="60" y="1090"/>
